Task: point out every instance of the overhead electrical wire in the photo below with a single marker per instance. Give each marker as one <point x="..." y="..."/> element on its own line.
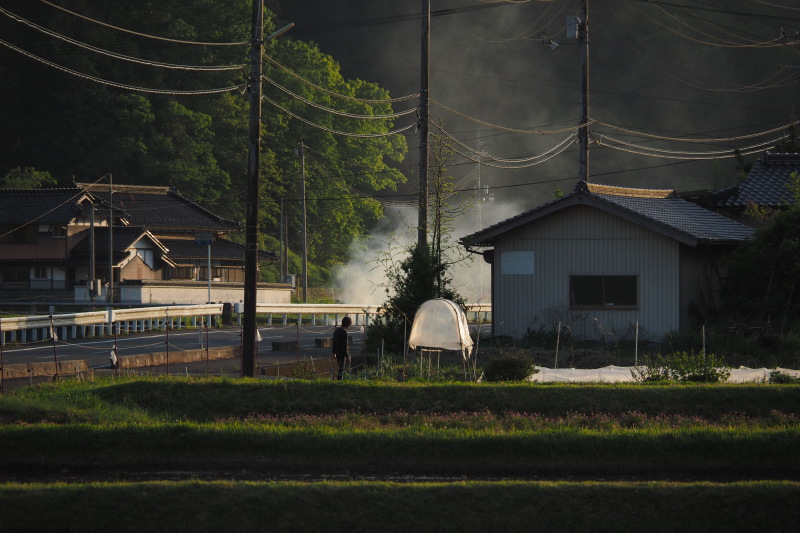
<point x="337" y="132"/>
<point x="746" y="88"/>
<point x="775" y="5"/>
<point x="503" y="128"/>
<point x="117" y="84"/>
<point x="390" y="19"/>
<point x="116" y="55"/>
<point x="334" y="111"/>
<point x="707" y="140"/>
<point x="139" y="34"/>
<point x="730" y="153"/>
<point x="338" y="95"/>
<point x="84" y="190"/>
<point x="727" y="44"/>
<point x="486" y="157"/>
<point x="725" y="153"/>
<point x="544" y="158"/>
<point x="526" y="34"/>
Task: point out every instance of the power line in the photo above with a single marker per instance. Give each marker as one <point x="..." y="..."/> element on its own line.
<point x="334" y="111"/>
<point x="338" y="95"/>
<point x="116" y="55"/>
<point x="148" y="36"/>
<point x="333" y="131"/>
<point x="117" y="84"/>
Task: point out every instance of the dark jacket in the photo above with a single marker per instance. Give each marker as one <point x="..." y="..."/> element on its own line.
<point x="339" y="345"/>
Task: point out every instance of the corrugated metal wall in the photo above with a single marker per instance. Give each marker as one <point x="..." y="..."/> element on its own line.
<point x="584" y="240"/>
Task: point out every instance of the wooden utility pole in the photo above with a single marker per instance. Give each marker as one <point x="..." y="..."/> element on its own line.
<point x="249" y="328"/>
<point x="422" y="228"/>
<point x="249" y="345"/>
<point x="583" y="42"/>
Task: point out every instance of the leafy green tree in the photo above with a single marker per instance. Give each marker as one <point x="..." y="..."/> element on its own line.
<point x="425" y="271"/>
<point x="764" y="273"/>
<point x="27" y="178"/>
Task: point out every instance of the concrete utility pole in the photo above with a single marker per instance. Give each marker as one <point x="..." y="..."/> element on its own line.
<point x="249" y="328"/>
<point x="422" y="228"/>
<point x="110" y="239"/>
<point x="305" y="235"/>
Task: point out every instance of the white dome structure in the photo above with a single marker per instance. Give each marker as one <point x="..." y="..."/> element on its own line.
<point x="441" y="324"/>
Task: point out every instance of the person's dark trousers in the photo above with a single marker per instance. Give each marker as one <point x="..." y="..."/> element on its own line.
<point x="340" y="360"/>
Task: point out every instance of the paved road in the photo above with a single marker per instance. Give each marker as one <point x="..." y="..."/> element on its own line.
<point x="97" y="350"/>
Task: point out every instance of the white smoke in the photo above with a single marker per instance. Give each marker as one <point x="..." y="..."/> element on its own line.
<point x="363" y="279"/>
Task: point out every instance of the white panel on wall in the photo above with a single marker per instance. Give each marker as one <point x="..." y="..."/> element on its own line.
<point x="517" y="263"/>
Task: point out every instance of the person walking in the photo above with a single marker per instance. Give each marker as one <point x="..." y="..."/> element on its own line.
<point x="339" y="346"/>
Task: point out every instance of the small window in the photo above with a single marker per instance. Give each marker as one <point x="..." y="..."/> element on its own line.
<point x="15" y="275"/>
<point x="40" y="272"/>
<point x="59" y="232"/>
<point x="147" y="257"/>
<point x="216" y="273"/>
<point x="603" y="292"/>
<point x="182" y="273"/>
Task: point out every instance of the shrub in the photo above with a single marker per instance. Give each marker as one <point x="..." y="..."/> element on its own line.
<point x="683" y="366"/>
<point x="782" y="378"/>
<point x="510" y="367"/>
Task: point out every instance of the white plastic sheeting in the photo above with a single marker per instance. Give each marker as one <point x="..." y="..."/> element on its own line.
<point x="615" y="374"/>
<point x="441" y="324"/>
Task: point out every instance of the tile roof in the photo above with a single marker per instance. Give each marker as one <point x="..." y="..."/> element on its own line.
<point x="220" y="249"/>
<point x="683" y="216"/>
<point x="40" y="206"/>
<point x="659" y="210"/>
<point x="765" y="185"/>
<point x="124" y="238"/>
<point x="160" y="208"/>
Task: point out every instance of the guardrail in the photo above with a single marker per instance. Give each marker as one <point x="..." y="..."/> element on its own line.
<point x="99" y="323"/>
<point x="360" y="313"/>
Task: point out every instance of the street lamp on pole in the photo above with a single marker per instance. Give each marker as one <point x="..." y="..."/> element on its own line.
<point x="249" y="328"/>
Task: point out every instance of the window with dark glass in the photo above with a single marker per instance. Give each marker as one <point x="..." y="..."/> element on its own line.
<point x="592" y="292"/>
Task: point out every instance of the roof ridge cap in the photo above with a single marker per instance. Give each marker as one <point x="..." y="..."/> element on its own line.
<point x="613" y="190"/>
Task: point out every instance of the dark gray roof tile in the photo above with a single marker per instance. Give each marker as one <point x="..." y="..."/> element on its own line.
<point x="766" y="184"/>
<point x="161" y="208"/>
<point x="40" y="206"/>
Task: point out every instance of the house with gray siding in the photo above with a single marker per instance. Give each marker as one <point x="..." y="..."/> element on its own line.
<point x="607" y="261"/>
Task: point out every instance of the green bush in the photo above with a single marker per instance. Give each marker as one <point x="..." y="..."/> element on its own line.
<point x="510" y="367"/>
<point x="683" y="366"/>
<point x="782" y="378"/>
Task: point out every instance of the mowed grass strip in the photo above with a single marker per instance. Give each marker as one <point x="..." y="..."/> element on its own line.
<point x="209" y="399"/>
<point x="769" y="453"/>
<point x="388" y="506"/>
<point x="667" y="432"/>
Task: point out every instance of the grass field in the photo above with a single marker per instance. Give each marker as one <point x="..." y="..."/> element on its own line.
<point x="211" y="454"/>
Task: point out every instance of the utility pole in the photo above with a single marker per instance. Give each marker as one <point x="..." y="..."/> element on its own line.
<point x="249" y="329"/>
<point x="283" y="244"/>
<point x="110" y="239"/>
<point x="583" y="42"/>
<point x="422" y="229"/>
<point x="92" y="274"/>
<point x="249" y="345"/>
<point x="304" y="235"/>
